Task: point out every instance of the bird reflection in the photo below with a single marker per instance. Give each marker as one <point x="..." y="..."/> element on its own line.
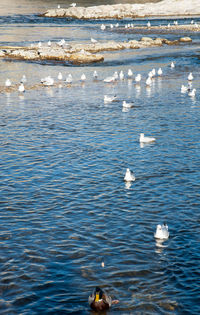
<point x="148" y="91"/>
<point x="160" y="246"/>
<point x="127" y="185"/>
<point x="49" y="92"/>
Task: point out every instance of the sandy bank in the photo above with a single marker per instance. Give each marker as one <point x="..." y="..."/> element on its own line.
<point x="79" y="53"/>
<point x="120" y="11"/>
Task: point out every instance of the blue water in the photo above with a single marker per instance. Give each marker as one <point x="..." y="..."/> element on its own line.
<point x="64" y="206"/>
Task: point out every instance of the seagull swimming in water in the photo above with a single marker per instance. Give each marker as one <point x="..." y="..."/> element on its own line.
<point x="48" y="81"/>
<point x="95" y="75"/>
<point x="162" y="232"/>
<point x="127" y="105"/>
<point x="172" y="65"/>
<point x="144" y="139"/>
<point x="192" y="93"/>
<point x="103" y="27"/>
<point x="130" y="73"/>
<point x="184" y="89"/>
<point x="109" y="99"/>
<point x="129" y="177"/>
<point x="190" y="77"/>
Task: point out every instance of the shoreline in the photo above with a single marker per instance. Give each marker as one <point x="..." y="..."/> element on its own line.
<point x="163" y="8"/>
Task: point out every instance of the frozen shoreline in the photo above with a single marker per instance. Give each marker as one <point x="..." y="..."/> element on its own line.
<point x="119" y="11"/>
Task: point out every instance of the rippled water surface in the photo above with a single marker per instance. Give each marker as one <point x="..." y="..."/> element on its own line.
<point x="65" y="207"/>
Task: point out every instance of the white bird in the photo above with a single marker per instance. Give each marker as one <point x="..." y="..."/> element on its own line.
<point x="172" y="65"/>
<point x="61" y="42"/>
<point x="83" y="77"/>
<point x="117" y="25"/>
<point x="162" y="232"/>
<point x="109" y="99"/>
<point x="39" y="44"/>
<point x="175" y="22"/>
<point x="47" y="81"/>
<point x="138" y="78"/>
<point x="93" y="40"/>
<point x="127" y="105"/>
<point x="190" y="77"/>
<point x="49" y="43"/>
<point x="73" y="4"/>
<point x="150" y="74"/>
<point x="130" y="73"/>
<point x="148" y="81"/>
<point x="103" y="27"/>
<point x="169" y="25"/>
<point x="111" y="26"/>
<point x="192" y="22"/>
<point x="144" y="139"/>
<point x="159" y="71"/>
<point x="184" y="88"/>
<point x="129" y="177"/>
<point x="8" y="82"/>
<point x="69" y="79"/>
<point x="95" y="75"/>
<point x="121" y="75"/>
<point x="192" y="93"/>
<point x="148" y="24"/>
<point x="23" y="79"/>
<point x="58" y="6"/>
<point x="153" y="72"/>
<point x="21" y="88"/>
<point x="60" y="77"/>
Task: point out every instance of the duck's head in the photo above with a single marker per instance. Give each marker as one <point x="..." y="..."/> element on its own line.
<point x="98" y="294"/>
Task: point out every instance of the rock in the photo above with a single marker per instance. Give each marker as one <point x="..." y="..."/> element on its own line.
<point x="185" y="39"/>
<point x="85" y="58"/>
<point x="2" y="53"/>
<point x="146" y="39"/>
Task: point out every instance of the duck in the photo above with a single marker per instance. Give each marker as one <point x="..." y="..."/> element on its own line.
<point x="100" y="301"/>
<point x="129" y="177"/>
<point x="162" y="231"/>
<point x="144" y="139"/>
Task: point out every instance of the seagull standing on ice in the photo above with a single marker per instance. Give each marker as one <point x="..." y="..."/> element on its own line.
<point x="69" y="79"/>
<point x="21" y="88"/>
<point x="144" y="139"/>
<point x="8" y="83"/>
<point x="130" y="73"/>
<point x="129" y="177"/>
<point x="95" y="75"/>
<point x="48" y="81"/>
<point x="49" y="43"/>
<point x="60" y="77"/>
<point x="162" y="232"/>
<point x="83" y="77"/>
<point x="160" y="71"/>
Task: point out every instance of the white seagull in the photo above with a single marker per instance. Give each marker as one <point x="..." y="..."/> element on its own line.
<point x="138" y="78"/>
<point x="109" y="99"/>
<point x="94" y="41"/>
<point x="47" y="81"/>
<point x="23" y="79"/>
<point x="8" y="83"/>
<point x="159" y="71"/>
<point x="69" y="79"/>
<point x="190" y="77"/>
<point x="60" y="77"/>
<point x="172" y="65"/>
<point x="162" y="232"/>
<point x="95" y="74"/>
<point x="184" y="88"/>
<point x="192" y="93"/>
<point x="129" y="177"/>
<point x="144" y="139"/>
<point x="103" y="27"/>
<point x="21" y="88"/>
<point x="148" y="81"/>
<point x="127" y="105"/>
<point x="73" y="5"/>
<point x="83" y="77"/>
<point x="130" y="73"/>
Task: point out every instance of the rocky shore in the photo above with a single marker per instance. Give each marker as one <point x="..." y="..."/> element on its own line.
<point x="121" y="11"/>
<point x="79" y="53"/>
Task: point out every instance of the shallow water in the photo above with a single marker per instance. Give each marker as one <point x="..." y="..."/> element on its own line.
<point x="64" y="206"/>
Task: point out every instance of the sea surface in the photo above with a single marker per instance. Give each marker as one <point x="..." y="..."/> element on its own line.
<point x="68" y="221"/>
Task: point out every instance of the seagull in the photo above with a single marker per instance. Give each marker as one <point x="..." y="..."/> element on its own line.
<point x="148" y="24"/>
<point x="153" y="72"/>
<point x="58" y="6"/>
<point x="69" y="79"/>
<point x="60" y="76"/>
<point x="190" y="77"/>
<point x="8" y="83"/>
<point x="47" y="81"/>
<point x="95" y="75"/>
<point x="130" y="73"/>
<point x="61" y="42"/>
<point x="73" y="4"/>
<point x="184" y="88"/>
<point x="162" y="232"/>
<point x="127" y="105"/>
<point x="159" y="71"/>
<point x="111" y="26"/>
<point x="103" y="27"/>
<point x="192" y="93"/>
<point x="93" y="40"/>
<point x="23" y="79"/>
<point x="121" y="75"/>
<point x="21" y="88"/>
<point x="83" y="77"/>
<point x="144" y="139"/>
<point x="192" y="22"/>
<point x="109" y="99"/>
<point x="39" y="44"/>
<point x="129" y="177"/>
<point x="138" y="78"/>
<point x="172" y="65"/>
<point x="148" y="81"/>
<point x="49" y="43"/>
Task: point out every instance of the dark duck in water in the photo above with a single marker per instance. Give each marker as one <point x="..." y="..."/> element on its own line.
<point x="100" y="301"/>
